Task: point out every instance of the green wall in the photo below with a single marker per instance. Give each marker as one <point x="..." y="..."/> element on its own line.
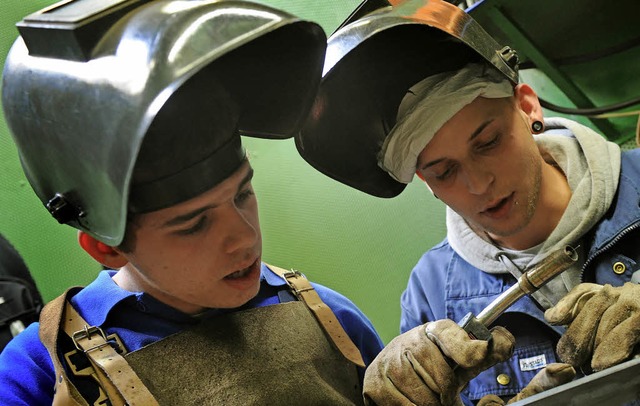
<point x="361" y="246"/>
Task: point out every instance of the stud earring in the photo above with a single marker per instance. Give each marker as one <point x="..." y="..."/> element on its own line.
<point x="537" y="127"/>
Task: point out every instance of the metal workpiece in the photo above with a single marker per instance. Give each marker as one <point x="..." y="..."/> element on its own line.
<point x="617" y="385"/>
<point x="530" y="281"/>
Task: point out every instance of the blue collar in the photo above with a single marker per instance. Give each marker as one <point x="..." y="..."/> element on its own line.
<point x="103" y="294"/>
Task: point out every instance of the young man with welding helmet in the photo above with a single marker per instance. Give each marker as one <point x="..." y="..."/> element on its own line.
<point x="441" y="99"/>
<point x="131" y="134"/>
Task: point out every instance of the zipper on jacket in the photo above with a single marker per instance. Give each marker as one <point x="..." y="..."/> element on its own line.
<point x="607" y="246"/>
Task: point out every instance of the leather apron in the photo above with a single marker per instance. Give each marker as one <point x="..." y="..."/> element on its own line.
<point x="273" y="355"/>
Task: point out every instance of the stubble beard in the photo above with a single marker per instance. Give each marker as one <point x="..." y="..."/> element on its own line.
<point x="530" y="205"/>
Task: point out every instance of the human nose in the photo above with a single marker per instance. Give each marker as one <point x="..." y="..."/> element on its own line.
<point x="478" y="178"/>
<point x="243" y="231"/>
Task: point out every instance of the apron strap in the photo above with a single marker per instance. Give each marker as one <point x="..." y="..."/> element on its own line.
<point x="305" y="292"/>
<point x="66" y="393"/>
<point x="121" y="384"/>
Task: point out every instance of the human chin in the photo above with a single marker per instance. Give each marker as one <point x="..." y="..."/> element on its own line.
<point x="232" y="300"/>
<point x="504" y="228"/>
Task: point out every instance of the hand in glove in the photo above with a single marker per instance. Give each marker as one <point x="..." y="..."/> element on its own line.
<point x="604" y="324"/>
<point x="551" y="376"/>
<point x="412" y="368"/>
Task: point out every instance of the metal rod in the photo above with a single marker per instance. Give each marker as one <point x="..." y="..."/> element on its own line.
<point x="530" y="281"/>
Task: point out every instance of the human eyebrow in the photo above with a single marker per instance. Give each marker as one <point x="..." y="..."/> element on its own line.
<point x="183" y="218"/>
<point x="480" y="128"/>
<point x="431" y="163"/>
<point x="474" y="134"/>
<point x="186" y="217"/>
<point x="247" y="178"/>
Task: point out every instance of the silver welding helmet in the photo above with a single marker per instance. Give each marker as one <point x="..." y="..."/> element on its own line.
<point x="134" y="105"/>
<point x="370" y="64"/>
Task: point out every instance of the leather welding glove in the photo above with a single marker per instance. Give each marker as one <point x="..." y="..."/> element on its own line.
<point x="603" y="324"/>
<point x="413" y="369"/>
<point x="551" y="376"/>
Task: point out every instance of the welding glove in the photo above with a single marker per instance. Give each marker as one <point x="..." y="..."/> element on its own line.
<point x="413" y="368"/>
<point x="551" y="376"/>
<point x="603" y="324"/>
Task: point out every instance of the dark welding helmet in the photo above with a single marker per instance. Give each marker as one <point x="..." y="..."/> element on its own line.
<point x="132" y="106"/>
<point x="369" y="66"/>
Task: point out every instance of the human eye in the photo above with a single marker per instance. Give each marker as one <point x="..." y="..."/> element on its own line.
<point x="194" y="229"/>
<point x="446" y="174"/>
<point x="491" y="143"/>
<point x="244" y="195"/>
<point x="439" y="171"/>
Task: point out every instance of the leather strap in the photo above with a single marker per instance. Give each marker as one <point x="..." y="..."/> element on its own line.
<point x="122" y="384"/>
<point x="66" y="393"/>
<point x="305" y="292"/>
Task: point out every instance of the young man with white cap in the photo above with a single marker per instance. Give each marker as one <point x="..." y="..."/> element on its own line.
<point x="518" y="187"/>
<point x="130" y="132"/>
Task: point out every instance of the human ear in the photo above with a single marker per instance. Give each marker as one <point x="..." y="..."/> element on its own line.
<point x="528" y="102"/>
<point x="101" y="252"/>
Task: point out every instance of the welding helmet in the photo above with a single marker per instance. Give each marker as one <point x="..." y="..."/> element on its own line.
<point x="136" y="105"/>
<point x="370" y="64"/>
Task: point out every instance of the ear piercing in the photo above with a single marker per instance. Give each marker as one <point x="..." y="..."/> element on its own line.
<point x="537" y="127"/>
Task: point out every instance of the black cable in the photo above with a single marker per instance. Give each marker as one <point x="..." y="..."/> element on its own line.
<point x="589" y="57"/>
<point x="594" y="111"/>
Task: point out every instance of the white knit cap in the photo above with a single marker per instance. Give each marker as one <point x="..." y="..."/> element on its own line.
<point x="428" y="105"/>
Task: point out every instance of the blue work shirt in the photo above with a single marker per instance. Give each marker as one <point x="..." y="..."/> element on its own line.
<point x="26" y="370"/>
